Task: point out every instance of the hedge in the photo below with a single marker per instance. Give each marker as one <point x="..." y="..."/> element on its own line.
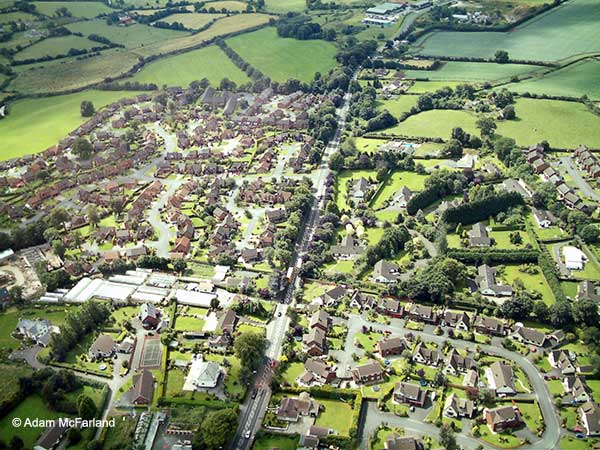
<point x="495" y="255"/>
<point x="548" y="269"/>
<point x="479" y="210"/>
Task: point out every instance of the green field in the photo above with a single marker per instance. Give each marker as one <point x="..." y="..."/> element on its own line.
<point x="282" y="59"/>
<point x="562" y="124"/>
<point x="573" y="81"/>
<point x="74" y="73"/>
<point x="85" y="10"/>
<point x="35" y="124"/>
<point x="280" y="6"/>
<point x="564" y="31"/>
<point x="536" y="282"/>
<point x="470" y="71"/>
<point x="411" y="180"/>
<point x="192" y="21"/>
<point x="270" y="441"/>
<point x="398" y="105"/>
<point x="229" y="5"/>
<point x="420" y="87"/>
<point x="17" y="17"/>
<point x="132" y="37"/>
<point x="435" y="123"/>
<point x="56" y="46"/>
<point x="341" y="188"/>
<point x="336" y="415"/>
<point x="181" y="70"/>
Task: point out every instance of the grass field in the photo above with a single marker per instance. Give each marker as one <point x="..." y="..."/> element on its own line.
<point x="10" y="379"/>
<point x="336" y="415"/>
<point x="35" y="124"/>
<point x="192" y="21"/>
<point x="132" y="37"/>
<point x="221" y="27"/>
<point x="180" y="70"/>
<point x="269" y="441"/>
<point x="435" y="123"/>
<point x="282" y="59"/>
<point x="397" y="106"/>
<point x="341" y="180"/>
<point x="229" y="5"/>
<point x="10" y="318"/>
<point x="562" y="124"/>
<point x="17" y="17"/>
<point x="85" y="10"/>
<point x="56" y="46"/>
<point x="73" y="74"/>
<point x="564" y="31"/>
<point x="469" y="71"/>
<point x="536" y="282"/>
<point x="280" y="6"/>
<point x="573" y="81"/>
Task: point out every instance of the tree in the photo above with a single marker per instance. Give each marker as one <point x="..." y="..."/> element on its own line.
<point x="585" y="312"/>
<point x="82" y="148"/>
<point x="501" y="56"/>
<point x="15" y="295"/>
<point x="214" y="303"/>
<point x="87" y="108"/>
<point x="515" y="238"/>
<point x="180" y="265"/>
<point x="486" y="126"/>
<point x="93" y="216"/>
<point x="74" y="435"/>
<point x="590" y="233"/>
<point x="58" y="217"/>
<point x="453" y="149"/>
<point x="508" y="112"/>
<point x="249" y="347"/>
<point x="59" y="248"/>
<point x="448" y="438"/>
<point x="86" y="407"/>
<point x="16" y="443"/>
<point x="216" y="429"/>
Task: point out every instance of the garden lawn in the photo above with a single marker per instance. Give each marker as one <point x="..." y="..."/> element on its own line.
<point x="187" y="323"/>
<point x="269" y="441"/>
<point x="591" y="269"/>
<point x="472" y="71"/>
<point x="399" y="179"/>
<point x="180" y="70"/>
<point x="563" y="124"/>
<point x="536" y="282"/>
<point x="10" y="379"/>
<point x="84" y="10"/>
<point x="293" y="371"/>
<point x="336" y="415"/>
<point x="500" y="440"/>
<point x="582" y="78"/>
<point x="284" y="58"/>
<point x="56" y="46"/>
<point x="435" y="123"/>
<point x="341" y="266"/>
<point x="10" y="318"/>
<point x="564" y="31"/>
<point x="17" y="16"/>
<point x="341" y="187"/>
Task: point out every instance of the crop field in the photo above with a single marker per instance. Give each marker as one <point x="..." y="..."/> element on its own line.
<point x="435" y="123"/>
<point x="17" y="17"/>
<point x="131" y="37"/>
<point x="20" y="39"/>
<point x="221" y="27"/>
<point x="468" y="71"/>
<point x="75" y="73"/>
<point x="229" y="5"/>
<point x="85" y="10"/>
<point x="180" y="70"/>
<point x="283" y="58"/>
<point x="280" y="6"/>
<point x="35" y="124"/>
<point x="56" y="46"/>
<point x="564" y="31"/>
<point x="563" y="124"/>
<point x="573" y="81"/>
<point x="192" y="21"/>
<point x="146" y="3"/>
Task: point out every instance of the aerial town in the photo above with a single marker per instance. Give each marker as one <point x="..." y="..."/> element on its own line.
<point x="299" y="224"/>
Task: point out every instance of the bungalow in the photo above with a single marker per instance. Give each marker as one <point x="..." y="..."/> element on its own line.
<point x="385" y="272"/>
<point x="368" y="373"/>
<point x="143" y="388"/>
<point x="391" y="346"/>
<point x="149" y="315"/>
<point x="424" y="355"/>
<point x="103" y="347"/>
<point x="349" y="247"/>
<point x="458" y="408"/>
<point x="478" y="236"/>
<point x="409" y="393"/>
<point x="562" y="360"/>
<point x="500" y="378"/>
<point x="577" y="388"/>
<point x="503" y="417"/>
<point x="227" y="321"/>
<point x="543" y="217"/>
<point x="52" y="437"/>
<point x="589" y="417"/>
<point x="586" y="290"/>
<point x="486" y="280"/>
<point x="292" y="409"/>
<point x="204" y="374"/>
<point x="397" y="442"/>
<point x="489" y="325"/>
<point x="334" y="296"/>
<point x="530" y="336"/>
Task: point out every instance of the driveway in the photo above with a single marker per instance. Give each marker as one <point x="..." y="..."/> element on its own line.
<point x="578" y="179"/>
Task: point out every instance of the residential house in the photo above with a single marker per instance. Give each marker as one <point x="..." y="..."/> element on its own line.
<point x="206" y="374"/>
<point x="368" y="373"/>
<point x="586" y="290"/>
<point x="362" y="301"/>
<point x="360" y="189"/>
<point x="291" y="409"/>
<point x="562" y="360"/>
<point x="143" y="388"/>
<point x="320" y="319"/>
<point x="489" y="325"/>
<point x="315" y="342"/>
<point x="421" y="313"/>
<point x="334" y="296"/>
<point x="478" y="236"/>
<point x="455" y="363"/>
<point x="409" y="393"/>
<point x="589" y="417"/>
<point x="577" y="388"/>
<point x="316" y="372"/>
<point x="503" y="417"/>
<point x="458" y="408"/>
<point x="424" y="355"/>
<point x="149" y="315"/>
<point x="543" y="217"/>
<point x="460" y="321"/>
<point x="38" y="330"/>
<point x="391" y="346"/>
<point x="103" y="347"/>
<point x="52" y="437"/>
<point x="500" y="378"/>
<point x="389" y="307"/>
<point x="385" y="272"/>
<point x="486" y="280"/>
<point x="397" y="442"/>
<point x="349" y="248"/>
<point x="227" y="321"/>
<point x="402" y="196"/>
<point x="573" y="257"/>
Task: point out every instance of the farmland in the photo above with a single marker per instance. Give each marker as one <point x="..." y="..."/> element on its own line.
<point x="438" y="123"/>
<point x="35" y="124"/>
<point x="576" y="80"/>
<point x="564" y="31"/>
<point x="17" y="17"/>
<point x="181" y="70"/>
<point x="563" y="124"/>
<point x="283" y="58"/>
<point x="468" y="71"/>
<point x="56" y="46"/>
<point x="279" y="6"/>
<point x="192" y="21"/>
<point x="84" y="10"/>
<point x="229" y="5"/>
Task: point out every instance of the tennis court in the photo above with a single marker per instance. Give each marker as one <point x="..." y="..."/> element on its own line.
<point x="151" y="353"/>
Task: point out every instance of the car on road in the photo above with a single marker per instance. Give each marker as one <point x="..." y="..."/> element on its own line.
<point x="279" y="314"/>
<point x="247" y="435"/>
<point x="254" y="393"/>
